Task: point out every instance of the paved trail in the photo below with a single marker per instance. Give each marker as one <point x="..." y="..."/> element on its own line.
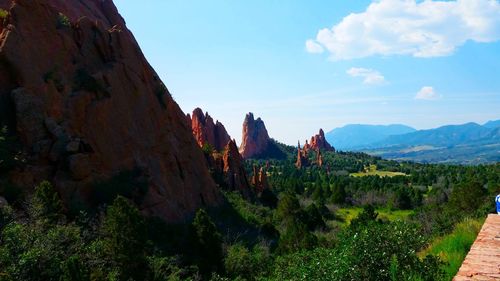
<point x="483" y="260"/>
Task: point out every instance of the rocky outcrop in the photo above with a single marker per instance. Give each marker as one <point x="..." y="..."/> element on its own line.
<point x="256" y="142"/>
<point x="259" y="180"/>
<point x="235" y="175"/>
<point x="206" y="131"/>
<point x="302" y="158"/>
<point x="85" y="103"/>
<point x="225" y="161"/>
<point x="319" y="158"/>
<point x="318" y="142"/>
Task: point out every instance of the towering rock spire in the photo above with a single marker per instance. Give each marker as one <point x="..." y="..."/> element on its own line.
<point x="255" y="138"/>
<point x="256" y="142"/>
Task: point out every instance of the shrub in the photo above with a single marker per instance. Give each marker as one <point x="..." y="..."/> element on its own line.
<point x="242" y="263"/>
<point x="373" y="251"/>
<point x="63" y="21"/>
<point x="3" y="14"/>
<point x="46" y="206"/>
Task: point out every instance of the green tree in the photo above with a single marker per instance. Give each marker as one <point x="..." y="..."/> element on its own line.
<point x="46" y="206"/>
<point x="339" y="194"/>
<point x="207" y="243"/>
<point x="124" y="239"/>
<point x="467" y="196"/>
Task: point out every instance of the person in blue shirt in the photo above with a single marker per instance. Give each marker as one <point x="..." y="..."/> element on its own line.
<point x="498" y="204"/>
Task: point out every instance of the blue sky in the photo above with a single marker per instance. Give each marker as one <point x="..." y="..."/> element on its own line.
<point x="306" y="65"/>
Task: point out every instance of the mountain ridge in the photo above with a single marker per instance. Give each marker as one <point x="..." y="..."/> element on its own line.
<point x="469" y="143"/>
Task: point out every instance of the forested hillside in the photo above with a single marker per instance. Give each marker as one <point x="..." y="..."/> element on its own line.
<point x="314" y="223"/>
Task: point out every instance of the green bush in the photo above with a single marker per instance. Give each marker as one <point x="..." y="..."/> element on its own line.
<point x="46" y="206"/>
<point x="241" y="263"/>
<point x="3" y="14"/>
<point x="373" y="251"/>
<point x="63" y="21"/>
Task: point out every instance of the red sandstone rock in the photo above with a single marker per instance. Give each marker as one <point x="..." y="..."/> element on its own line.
<point x="319" y="158"/>
<point x="302" y="157"/>
<point x="255" y="138"/>
<point x="319" y="142"/>
<point x="205" y="131"/>
<point x="89" y="81"/>
<point x="234" y="171"/>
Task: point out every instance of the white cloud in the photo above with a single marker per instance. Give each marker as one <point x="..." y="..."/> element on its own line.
<point x="407" y="27"/>
<point x="371" y="77"/>
<point x="427" y="93"/>
<point x="313" y="47"/>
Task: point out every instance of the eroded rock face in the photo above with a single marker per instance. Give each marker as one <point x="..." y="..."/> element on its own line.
<point x="255" y="138"/>
<point x="256" y="142"/>
<point x="234" y="171"/>
<point x="302" y="157"/>
<point x="86" y="105"/>
<point x="319" y="142"/>
<point x="206" y="131"/>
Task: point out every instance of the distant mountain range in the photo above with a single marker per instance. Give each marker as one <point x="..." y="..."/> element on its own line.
<point x="469" y="143"/>
<point x="357" y="136"/>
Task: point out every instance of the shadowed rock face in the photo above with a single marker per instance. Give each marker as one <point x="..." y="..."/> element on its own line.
<point x="225" y="162"/>
<point x="234" y="170"/>
<point x="206" y="131"/>
<point x="85" y="103"/>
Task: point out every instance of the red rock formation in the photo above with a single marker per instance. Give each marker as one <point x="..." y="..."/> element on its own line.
<point x="205" y="131"/>
<point x="259" y="180"/>
<point x="255" y="138"/>
<point x="86" y="104"/>
<point x="318" y="142"/>
<point x="256" y="142"/>
<point x="234" y="171"/>
<point x="319" y="158"/>
<point x="302" y="157"/>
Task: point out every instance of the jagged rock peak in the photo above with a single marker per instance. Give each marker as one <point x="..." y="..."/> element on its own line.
<point x="255" y="139"/>
<point x="318" y="142"/>
<point x="206" y="131"/>
<point x="86" y="105"/>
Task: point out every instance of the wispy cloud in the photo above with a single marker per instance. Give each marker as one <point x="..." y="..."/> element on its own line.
<point x="407" y="27"/>
<point x="370" y="76"/>
<point x="427" y="93"/>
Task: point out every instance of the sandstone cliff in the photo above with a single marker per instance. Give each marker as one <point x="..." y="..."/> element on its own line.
<point x="85" y="103"/>
<point x="256" y="142"/>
